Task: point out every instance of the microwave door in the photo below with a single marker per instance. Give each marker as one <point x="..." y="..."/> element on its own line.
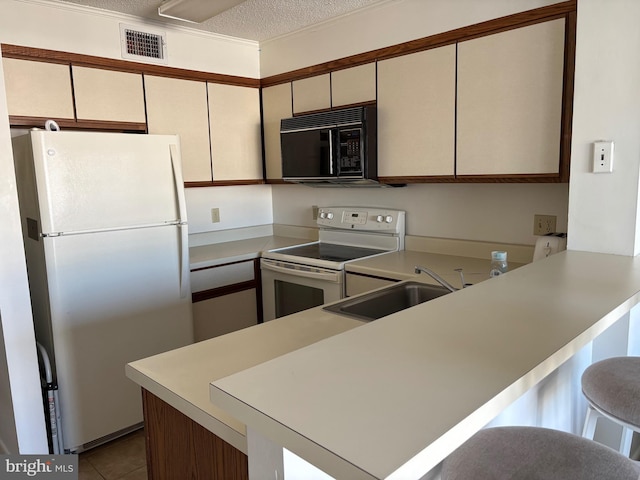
<point x="308" y="154"/>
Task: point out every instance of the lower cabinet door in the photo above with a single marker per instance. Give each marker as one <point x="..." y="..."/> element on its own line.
<point x="220" y="315"/>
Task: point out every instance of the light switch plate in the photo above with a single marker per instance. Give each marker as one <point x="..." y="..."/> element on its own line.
<point x="215" y="215"/>
<point x="603" y="157"/>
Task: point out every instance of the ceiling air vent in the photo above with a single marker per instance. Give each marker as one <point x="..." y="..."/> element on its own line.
<point x="143" y="46"/>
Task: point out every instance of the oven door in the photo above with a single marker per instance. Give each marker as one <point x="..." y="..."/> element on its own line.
<point x="290" y="287"/>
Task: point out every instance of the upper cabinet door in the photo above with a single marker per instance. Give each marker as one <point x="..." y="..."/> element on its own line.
<point x="276" y="105"/>
<point x="108" y="95"/>
<point x="176" y="106"/>
<point x="510" y="101"/>
<point x="38" y="89"/>
<point x="234" y="118"/>
<point x="353" y="85"/>
<point x="311" y="94"/>
<point x="416" y="114"/>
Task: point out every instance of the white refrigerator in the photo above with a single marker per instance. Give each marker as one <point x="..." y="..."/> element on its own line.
<point x="105" y="232"/>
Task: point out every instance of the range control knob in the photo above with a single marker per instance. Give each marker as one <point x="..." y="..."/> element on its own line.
<point x="330" y="216"/>
<point x="379" y="219"/>
<point x="388" y="219"/>
<point x="323" y="215"/>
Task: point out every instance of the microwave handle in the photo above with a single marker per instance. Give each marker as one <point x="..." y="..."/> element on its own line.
<point x="332" y="136"/>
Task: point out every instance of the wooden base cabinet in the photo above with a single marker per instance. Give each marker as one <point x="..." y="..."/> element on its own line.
<point x="178" y="447"/>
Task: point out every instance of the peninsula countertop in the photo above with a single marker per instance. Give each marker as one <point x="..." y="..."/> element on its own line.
<point x="392" y="398"/>
<point x="181" y="377"/>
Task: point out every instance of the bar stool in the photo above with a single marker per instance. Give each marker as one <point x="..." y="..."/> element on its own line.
<point x="534" y="453"/>
<point x="612" y="388"/>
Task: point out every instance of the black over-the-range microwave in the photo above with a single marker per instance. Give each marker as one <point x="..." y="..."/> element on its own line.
<point x="329" y="148"/>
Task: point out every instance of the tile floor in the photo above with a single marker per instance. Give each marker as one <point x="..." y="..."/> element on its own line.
<point x="121" y="459"/>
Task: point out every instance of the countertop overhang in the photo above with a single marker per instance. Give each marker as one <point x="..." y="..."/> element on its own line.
<point x="392" y="398"/>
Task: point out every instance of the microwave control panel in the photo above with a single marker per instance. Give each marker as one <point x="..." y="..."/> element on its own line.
<point x="361" y="218"/>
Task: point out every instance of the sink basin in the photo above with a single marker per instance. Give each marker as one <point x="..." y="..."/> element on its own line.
<point x="386" y="301"/>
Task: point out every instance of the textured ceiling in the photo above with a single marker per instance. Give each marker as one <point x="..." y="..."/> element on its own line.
<point x="257" y="20"/>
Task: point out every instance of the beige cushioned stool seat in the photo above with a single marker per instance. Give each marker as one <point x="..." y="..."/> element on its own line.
<point x="532" y="453"/>
<point x="613" y="386"/>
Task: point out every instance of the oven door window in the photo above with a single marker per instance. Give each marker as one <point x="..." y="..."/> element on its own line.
<point x="293" y="297"/>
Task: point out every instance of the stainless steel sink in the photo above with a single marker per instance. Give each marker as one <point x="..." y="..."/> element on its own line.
<point x="386" y="301"/>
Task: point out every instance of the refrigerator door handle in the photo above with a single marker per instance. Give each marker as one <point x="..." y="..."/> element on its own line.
<point x="184" y="260"/>
<point x="179" y="182"/>
<point x="184" y="232"/>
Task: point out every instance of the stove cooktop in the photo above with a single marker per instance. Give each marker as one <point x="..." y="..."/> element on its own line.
<point x="330" y="252"/>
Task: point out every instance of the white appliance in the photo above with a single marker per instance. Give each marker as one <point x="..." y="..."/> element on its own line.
<point x="549" y="244"/>
<point x="305" y="276"/>
<point x="105" y="236"/>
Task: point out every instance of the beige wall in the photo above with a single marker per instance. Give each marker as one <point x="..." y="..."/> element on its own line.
<point x="70" y="28"/>
<point x="384" y="24"/>
<point x="604" y="207"/>
<point x="484" y="212"/>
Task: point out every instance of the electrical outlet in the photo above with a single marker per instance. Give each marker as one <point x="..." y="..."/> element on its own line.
<point x="215" y="215"/>
<point x="543" y="224"/>
<point x="314" y="210"/>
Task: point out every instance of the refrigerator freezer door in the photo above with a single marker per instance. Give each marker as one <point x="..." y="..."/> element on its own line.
<point x="114" y="298"/>
<point x="98" y="181"/>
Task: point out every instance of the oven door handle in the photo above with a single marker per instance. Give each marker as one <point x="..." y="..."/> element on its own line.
<point x="327" y="276"/>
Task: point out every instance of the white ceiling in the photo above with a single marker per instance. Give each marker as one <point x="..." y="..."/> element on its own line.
<point x="257" y="20"/>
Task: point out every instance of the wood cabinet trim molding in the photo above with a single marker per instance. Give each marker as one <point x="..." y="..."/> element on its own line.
<point x="38" y="122"/>
<point x="223" y="183"/>
<point x="54" y="56"/>
<point x="223" y="291"/>
<point x="515" y="178"/>
<point x="489" y="27"/>
<point x="377" y="277"/>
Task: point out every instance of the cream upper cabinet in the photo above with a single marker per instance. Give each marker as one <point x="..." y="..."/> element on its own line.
<point x="416" y="113"/>
<point x="510" y="101"/>
<point x="234" y="121"/>
<point x="38" y="89"/>
<point x="108" y="95"/>
<point x="176" y="106"/>
<point x="311" y="94"/>
<point x="276" y="105"/>
<point x="353" y="85"/>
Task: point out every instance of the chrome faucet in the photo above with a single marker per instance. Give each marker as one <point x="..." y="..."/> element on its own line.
<point x="436" y="277"/>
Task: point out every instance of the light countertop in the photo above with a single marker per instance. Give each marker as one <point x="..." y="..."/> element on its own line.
<point x="394" y="397"/>
<point x="400" y="266"/>
<point x="181" y="377"/>
<point x="227" y="252"/>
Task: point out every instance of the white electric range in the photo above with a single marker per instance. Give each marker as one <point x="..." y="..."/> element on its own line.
<point x="312" y="274"/>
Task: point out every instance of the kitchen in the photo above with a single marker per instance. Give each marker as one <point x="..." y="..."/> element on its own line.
<point x="470" y="212"/>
